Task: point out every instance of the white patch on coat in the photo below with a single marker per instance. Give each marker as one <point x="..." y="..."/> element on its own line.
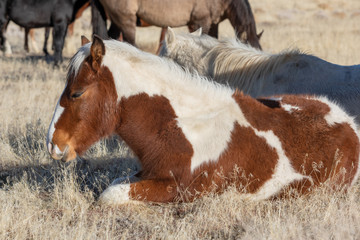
<point x="57" y="150"/>
<point x="57" y="113"/>
<point x="116" y="194"/>
<point x="284" y="173"/>
<point x="338" y="116"/>
<point x="290" y="108"/>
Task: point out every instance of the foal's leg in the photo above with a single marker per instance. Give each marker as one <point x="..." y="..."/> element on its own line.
<point x="145" y="190"/>
<point x="60" y="28"/>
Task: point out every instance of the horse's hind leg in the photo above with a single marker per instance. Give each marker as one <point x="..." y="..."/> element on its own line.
<point x="204" y="23"/>
<point x="33" y="41"/>
<point x="214" y="30"/>
<point x="59" y="39"/>
<point x="98" y="19"/>
<point x="127" y="27"/>
<point x="4" y="44"/>
<point x="46" y="38"/>
<point x="114" y="31"/>
<point x="146" y="190"/>
<point x="26" y="42"/>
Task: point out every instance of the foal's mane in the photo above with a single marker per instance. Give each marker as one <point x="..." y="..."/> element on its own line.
<point x="159" y="76"/>
<point x="238" y="62"/>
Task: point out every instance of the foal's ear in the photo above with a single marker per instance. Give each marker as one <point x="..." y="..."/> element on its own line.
<point x="84" y="40"/>
<point x="197" y="32"/>
<point x="97" y="51"/>
<point x="170" y="36"/>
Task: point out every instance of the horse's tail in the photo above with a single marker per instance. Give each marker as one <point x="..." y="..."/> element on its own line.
<point x="98" y="19"/>
<point x="242" y="19"/>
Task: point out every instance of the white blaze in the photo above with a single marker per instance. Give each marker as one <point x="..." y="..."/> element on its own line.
<point x="57" y="113"/>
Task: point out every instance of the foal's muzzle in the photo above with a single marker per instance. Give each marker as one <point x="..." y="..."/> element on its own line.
<point x="56" y="153"/>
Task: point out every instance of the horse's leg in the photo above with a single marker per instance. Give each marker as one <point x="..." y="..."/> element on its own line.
<point x="33" y="41"/>
<point x="114" y="31"/>
<point x="46" y="38"/>
<point x="98" y="19"/>
<point x="71" y="29"/>
<point x="4" y="45"/>
<point x="127" y="25"/>
<point x="146" y="190"/>
<point x="162" y="37"/>
<point x="26" y="37"/>
<point x="60" y="28"/>
<point x="214" y="30"/>
<point x="204" y="23"/>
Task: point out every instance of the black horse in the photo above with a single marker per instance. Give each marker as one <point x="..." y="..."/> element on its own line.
<point x="41" y="13"/>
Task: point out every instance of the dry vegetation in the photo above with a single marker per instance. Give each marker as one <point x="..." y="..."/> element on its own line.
<point x="42" y="199"/>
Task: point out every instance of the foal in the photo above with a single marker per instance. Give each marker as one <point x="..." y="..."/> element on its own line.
<point x="193" y="136"/>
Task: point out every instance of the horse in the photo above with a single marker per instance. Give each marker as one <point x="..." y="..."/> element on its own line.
<point x="261" y="74"/>
<point x="193" y="13"/>
<point x="194" y="136"/>
<point x="35" y="14"/>
<point x="70" y="32"/>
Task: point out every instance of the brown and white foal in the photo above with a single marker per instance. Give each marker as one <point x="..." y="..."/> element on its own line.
<point x="193" y="136"/>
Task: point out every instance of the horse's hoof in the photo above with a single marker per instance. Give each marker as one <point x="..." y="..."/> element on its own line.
<point x="56" y="65"/>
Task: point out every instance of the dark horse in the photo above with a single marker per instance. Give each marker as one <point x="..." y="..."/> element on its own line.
<point x="41" y="13"/>
<point x="125" y="14"/>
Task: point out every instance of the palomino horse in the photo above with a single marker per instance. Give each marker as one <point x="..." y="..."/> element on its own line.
<point x="262" y="74"/>
<point x="38" y="13"/>
<point x="192" y="135"/>
<point x="176" y="13"/>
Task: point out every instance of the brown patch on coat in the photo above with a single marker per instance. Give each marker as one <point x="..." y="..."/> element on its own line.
<point x="248" y="162"/>
<point x="149" y="127"/>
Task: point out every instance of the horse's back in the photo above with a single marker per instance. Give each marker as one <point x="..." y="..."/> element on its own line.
<point x="39" y="13"/>
<point x="153" y="12"/>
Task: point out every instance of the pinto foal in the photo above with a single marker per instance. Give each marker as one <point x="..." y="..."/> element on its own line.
<point x="193" y="136"/>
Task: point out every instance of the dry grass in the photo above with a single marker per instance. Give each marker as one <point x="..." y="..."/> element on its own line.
<point x="42" y="199"/>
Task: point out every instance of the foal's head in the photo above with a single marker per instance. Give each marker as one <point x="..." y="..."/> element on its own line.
<point x="86" y="110"/>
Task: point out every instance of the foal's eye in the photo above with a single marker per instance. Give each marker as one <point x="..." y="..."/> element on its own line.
<point x="76" y="95"/>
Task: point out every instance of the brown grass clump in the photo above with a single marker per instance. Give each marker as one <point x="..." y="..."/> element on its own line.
<point x="43" y="199"/>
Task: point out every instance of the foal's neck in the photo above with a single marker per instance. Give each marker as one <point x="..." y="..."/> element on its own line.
<point x="149" y="127"/>
<point x="143" y="117"/>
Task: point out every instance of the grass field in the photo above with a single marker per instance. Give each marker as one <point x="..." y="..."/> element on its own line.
<point x="43" y="199"/>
